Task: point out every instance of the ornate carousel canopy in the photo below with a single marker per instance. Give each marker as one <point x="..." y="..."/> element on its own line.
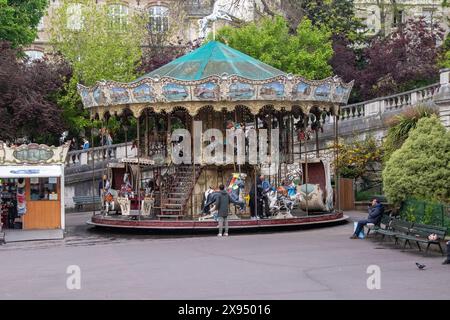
<point x="214" y="75"/>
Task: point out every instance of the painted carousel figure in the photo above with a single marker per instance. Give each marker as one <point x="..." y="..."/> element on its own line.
<point x="236" y="184"/>
<point x="107" y="196"/>
<point x="126" y="192"/>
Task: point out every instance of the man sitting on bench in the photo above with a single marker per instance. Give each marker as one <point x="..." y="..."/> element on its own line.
<point x="375" y="214"/>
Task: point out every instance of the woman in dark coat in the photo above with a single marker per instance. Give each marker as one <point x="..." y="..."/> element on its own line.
<point x="257" y="210"/>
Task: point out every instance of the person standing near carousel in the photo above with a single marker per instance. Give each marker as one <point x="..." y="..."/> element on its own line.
<point x="256" y="199"/>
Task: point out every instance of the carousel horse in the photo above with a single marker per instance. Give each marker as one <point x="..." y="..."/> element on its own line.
<point x="235" y="186"/>
<point x="209" y="207"/>
<point x="109" y="196"/>
<point x="280" y="205"/>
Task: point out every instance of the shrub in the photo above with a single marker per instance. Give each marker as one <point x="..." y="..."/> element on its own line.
<point x="420" y="168"/>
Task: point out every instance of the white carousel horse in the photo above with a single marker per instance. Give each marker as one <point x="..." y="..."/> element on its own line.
<point x="280" y="205"/>
<point x="211" y="215"/>
<point x="215" y="15"/>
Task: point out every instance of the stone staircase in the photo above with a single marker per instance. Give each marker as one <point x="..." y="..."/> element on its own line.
<point x="179" y="185"/>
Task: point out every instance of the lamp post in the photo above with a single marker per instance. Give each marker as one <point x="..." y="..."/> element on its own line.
<point x="125" y="129"/>
<point x="94" y="132"/>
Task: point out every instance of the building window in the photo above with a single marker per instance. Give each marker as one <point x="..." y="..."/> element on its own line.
<point x="428" y="14"/>
<point x="34" y="55"/>
<point x="43" y="189"/>
<point x="74" y="18"/>
<point x="398" y="18"/>
<point x="159" y="19"/>
<point x="119" y="15"/>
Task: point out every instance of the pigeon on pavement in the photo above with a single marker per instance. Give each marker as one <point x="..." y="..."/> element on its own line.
<point x="420" y="266"/>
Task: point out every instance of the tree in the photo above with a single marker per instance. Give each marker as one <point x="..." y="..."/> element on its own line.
<point x="164" y="42"/>
<point x="305" y="53"/>
<point x="404" y="60"/>
<point x="19" y="20"/>
<point x="356" y="157"/>
<point x="444" y="58"/>
<point x="420" y="168"/>
<point x="100" y="42"/>
<point x="337" y="16"/>
<point x="346" y="64"/>
<point x="401" y="125"/>
<point x="28" y="94"/>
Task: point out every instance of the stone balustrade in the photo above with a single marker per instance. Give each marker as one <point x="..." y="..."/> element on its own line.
<point x="85" y="157"/>
<point x="378" y="106"/>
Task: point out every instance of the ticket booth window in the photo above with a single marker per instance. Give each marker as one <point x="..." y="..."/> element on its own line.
<point x="43" y="189"/>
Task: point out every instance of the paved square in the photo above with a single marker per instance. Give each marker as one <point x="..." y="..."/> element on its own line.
<point x="307" y="264"/>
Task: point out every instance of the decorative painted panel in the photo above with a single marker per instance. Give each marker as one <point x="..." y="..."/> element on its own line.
<point x="99" y="96"/>
<point x="272" y="91"/>
<point x="323" y="92"/>
<point x="241" y="91"/>
<point x="207" y="91"/>
<point x="85" y="96"/>
<point x="143" y="93"/>
<point x="175" y="92"/>
<point x="301" y="90"/>
<point x="119" y="95"/>
<point x="340" y="93"/>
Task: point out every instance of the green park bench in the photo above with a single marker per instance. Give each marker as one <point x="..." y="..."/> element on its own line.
<point x="80" y="201"/>
<point x="395" y="228"/>
<point x="419" y="234"/>
<point x="410" y="232"/>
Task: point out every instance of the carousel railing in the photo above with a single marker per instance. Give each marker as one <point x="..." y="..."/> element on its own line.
<point x="391" y="103"/>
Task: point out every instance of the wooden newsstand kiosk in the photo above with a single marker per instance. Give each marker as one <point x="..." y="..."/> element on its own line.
<point x="32" y="180"/>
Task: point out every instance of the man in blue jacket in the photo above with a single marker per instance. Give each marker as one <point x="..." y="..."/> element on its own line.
<point x="375" y="214"/>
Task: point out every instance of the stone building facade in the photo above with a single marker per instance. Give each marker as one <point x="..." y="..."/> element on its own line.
<point x="371" y="11"/>
<point x="160" y="16"/>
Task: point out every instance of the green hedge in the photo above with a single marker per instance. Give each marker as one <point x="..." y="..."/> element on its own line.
<point x="426" y="212"/>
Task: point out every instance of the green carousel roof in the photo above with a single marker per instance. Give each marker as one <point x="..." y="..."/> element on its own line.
<point x="198" y="77"/>
<point x="215" y="58"/>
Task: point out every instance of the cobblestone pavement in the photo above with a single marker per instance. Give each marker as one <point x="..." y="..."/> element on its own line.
<point x="318" y="263"/>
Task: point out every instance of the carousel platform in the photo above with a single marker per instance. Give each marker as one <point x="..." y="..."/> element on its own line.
<point x="192" y="225"/>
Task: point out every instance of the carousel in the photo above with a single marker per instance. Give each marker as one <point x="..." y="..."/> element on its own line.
<point x="217" y="116"/>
